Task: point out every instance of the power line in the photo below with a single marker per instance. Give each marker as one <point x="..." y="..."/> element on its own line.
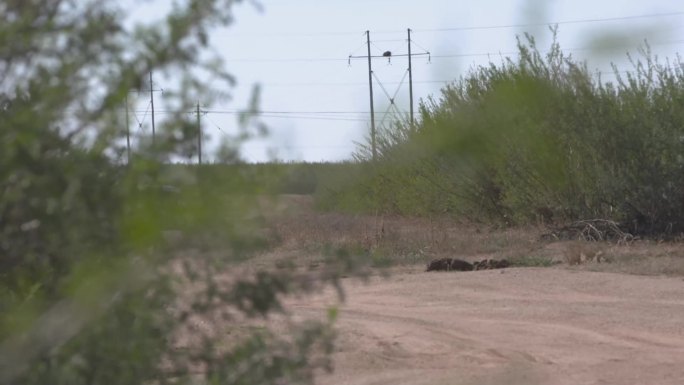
<point x="334" y="114"/>
<point x="482" y="27"/>
<point x="306" y="115"/>
<point x="365" y="84"/>
<point x="309" y="117"/>
<point x="561" y="22"/>
<point x="448" y="55"/>
<point x="268" y="145"/>
<point x="329" y="115"/>
<point x="577" y="49"/>
<point x="286" y="60"/>
<point x="440" y="81"/>
<point x="285" y="112"/>
<point x="345" y="84"/>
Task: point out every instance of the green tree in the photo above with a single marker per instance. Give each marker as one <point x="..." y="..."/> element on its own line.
<point x="537" y="138"/>
<point x="105" y="267"/>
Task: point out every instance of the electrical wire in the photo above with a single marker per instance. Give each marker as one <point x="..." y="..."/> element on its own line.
<point x="339" y="115"/>
<point x="481" y="27"/>
<point x="269" y="145"/>
<point x="349" y="84"/>
<point x="284" y="112"/>
<point x="561" y="22"/>
<point x="419" y="46"/>
<point x="146" y="111"/>
<point x="447" y="55"/>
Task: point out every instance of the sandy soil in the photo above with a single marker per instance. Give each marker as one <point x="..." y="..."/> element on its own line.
<point x="513" y="326"/>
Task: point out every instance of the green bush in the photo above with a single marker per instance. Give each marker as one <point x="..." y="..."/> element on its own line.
<point x="104" y="267"/>
<point x="538" y="139"/>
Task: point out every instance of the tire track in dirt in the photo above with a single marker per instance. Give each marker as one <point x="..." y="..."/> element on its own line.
<point x="528" y="325"/>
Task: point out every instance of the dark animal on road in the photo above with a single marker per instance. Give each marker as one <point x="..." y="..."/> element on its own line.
<point x="489" y="264"/>
<point x="449" y="264"/>
<point x="453" y="264"/>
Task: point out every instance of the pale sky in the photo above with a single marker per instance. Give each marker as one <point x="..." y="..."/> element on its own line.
<point x="316" y="105"/>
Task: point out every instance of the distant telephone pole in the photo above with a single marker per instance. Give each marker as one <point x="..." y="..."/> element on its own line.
<point x="370" y="86"/>
<point x="387" y="55"/>
<point x="199" y="135"/>
<point x="152" y="103"/>
<point x="128" y="134"/>
<point x="410" y="71"/>
<point x="140" y="91"/>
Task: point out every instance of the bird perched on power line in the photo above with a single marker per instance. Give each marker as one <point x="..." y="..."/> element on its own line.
<point x="387" y="54"/>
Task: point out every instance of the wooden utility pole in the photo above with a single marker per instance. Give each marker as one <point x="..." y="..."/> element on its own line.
<point x="199" y="135"/>
<point x="152" y="103"/>
<point x="128" y="134"/>
<point x="387" y="55"/>
<point x="410" y="78"/>
<point x="370" y="85"/>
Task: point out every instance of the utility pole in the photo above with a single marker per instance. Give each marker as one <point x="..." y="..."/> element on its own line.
<point x="128" y="134"/>
<point x="152" y="103"/>
<point x="387" y="55"/>
<point x="199" y="135"/>
<point x="370" y="85"/>
<point x="410" y="71"/>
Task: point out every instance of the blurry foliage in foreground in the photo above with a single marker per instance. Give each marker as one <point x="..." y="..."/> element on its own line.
<point x="537" y="139"/>
<point x="106" y="270"/>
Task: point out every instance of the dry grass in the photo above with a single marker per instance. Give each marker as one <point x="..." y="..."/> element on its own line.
<point x="306" y="237"/>
<point x="391" y="240"/>
<point x="643" y="258"/>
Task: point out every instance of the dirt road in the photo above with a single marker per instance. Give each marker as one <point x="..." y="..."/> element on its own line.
<point x="513" y="326"/>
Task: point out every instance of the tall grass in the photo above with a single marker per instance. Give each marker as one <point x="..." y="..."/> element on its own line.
<point x="538" y="138"/>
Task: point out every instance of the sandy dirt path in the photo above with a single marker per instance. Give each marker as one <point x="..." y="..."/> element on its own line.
<point x="513" y="326"/>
